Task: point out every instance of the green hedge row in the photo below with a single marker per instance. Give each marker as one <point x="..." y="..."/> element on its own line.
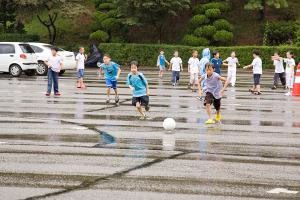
<point x="15" y="37"/>
<point x="147" y="54"/>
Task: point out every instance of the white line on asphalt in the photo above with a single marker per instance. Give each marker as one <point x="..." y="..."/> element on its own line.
<point x="282" y="190"/>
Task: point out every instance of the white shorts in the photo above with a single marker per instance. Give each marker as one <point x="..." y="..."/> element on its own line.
<point x="194" y="78"/>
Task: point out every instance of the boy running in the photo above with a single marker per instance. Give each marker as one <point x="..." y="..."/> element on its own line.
<point x="55" y="64"/>
<point x="111" y="72"/>
<point x="217" y="61"/>
<point x="161" y="63"/>
<point x="80" y="59"/>
<point x="232" y="62"/>
<point x="213" y="91"/>
<point x="279" y="71"/>
<point x="257" y="72"/>
<point x="176" y="66"/>
<point x="193" y="69"/>
<point x="140" y="89"/>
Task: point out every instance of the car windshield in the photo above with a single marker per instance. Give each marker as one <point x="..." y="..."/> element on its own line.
<point x="50" y="47"/>
<point x="26" y="48"/>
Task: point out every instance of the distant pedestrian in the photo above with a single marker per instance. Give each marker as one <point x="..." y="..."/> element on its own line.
<point x="55" y="64"/>
<point x="232" y="62"/>
<point x="193" y="69"/>
<point x="111" y="71"/>
<point x="289" y="71"/>
<point x="176" y="66"/>
<point x="279" y="71"/>
<point x="161" y="63"/>
<point x="140" y="89"/>
<point x="80" y="59"/>
<point x="204" y="60"/>
<point x="257" y="72"/>
<point x="217" y="62"/>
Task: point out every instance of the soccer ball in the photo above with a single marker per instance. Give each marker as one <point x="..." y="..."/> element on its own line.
<point x="169" y="124"/>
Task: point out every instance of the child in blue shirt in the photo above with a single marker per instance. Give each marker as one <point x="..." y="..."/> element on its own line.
<point x="111" y="73"/>
<point x="217" y="62"/>
<point x="140" y="89"/>
<point x="161" y="63"/>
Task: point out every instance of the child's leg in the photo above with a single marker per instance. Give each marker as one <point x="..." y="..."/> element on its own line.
<point x="108" y="93"/>
<point x="140" y="108"/>
<point x="258" y="88"/>
<point x="178" y="76"/>
<point x="229" y="76"/>
<point x="233" y="78"/>
<point x="173" y="77"/>
<point x="49" y="86"/>
<point x="208" y="110"/>
<point x="276" y="76"/>
<point x="217" y="105"/>
<point x="55" y="82"/>
<point x="282" y="78"/>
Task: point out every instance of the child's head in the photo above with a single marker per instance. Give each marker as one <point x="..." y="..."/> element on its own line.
<point x="255" y="53"/>
<point x="276" y="53"/>
<point x="81" y="50"/>
<point x="216" y="54"/>
<point x="134" y="65"/>
<point x="233" y="54"/>
<point x="106" y="59"/>
<point x="161" y="52"/>
<point x="195" y="53"/>
<point x="54" y="51"/>
<point x="176" y="53"/>
<point x="289" y="54"/>
<point x="209" y="68"/>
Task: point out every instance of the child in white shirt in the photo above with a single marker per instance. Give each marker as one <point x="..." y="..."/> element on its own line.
<point x="279" y="71"/>
<point x="232" y="62"/>
<point x="289" y="71"/>
<point x="193" y="69"/>
<point x="176" y="66"/>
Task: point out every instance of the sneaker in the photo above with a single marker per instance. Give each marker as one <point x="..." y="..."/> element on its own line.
<point x="107" y="100"/>
<point x="218" y="118"/>
<point x="210" y="121"/>
<point x="57" y="94"/>
<point x="117" y="99"/>
<point x="78" y="85"/>
<point x="288" y="94"/>
<point x="274" y="87"/>
<point x="147" y="108"/>
<point x="173" y="84"/>
<point x="47" y="94"/>
<point x="143" y="117"/>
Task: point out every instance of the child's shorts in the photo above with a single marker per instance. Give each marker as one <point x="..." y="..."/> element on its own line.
<point x="210" y="99"/>
<point x="111" y="83"/>
<point x="162" y="67"/>
<point x="289" y="80"/>
<point x="256" y="79"/>
<point x="143" y="100"/>
<point x="193" y="78"/>
<point x="80" y="73"/>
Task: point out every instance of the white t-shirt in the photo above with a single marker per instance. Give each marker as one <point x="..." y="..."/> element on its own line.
<point x="278" y="66"/>
<point x="257" y="65"/>
<point x="232" y="62"/>
<point x="176" y="62"/>
<point x="289" y="64"/>
<point x="80" y="58"/>
<point x="55" y="62"/>
<point x="194" y="65"/>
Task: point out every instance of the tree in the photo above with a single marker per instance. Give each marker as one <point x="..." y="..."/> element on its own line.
<point x="53" y="9"/>
<point x="153" y="13"/>
<point x="7" y="14"/>
<point x="260" y="5"/>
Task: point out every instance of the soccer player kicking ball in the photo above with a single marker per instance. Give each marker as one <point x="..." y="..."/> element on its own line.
<point x="213" y="91"/>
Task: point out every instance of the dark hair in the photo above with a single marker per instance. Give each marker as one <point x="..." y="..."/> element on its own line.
<point x="136" y="63"/>
<point x="54" y="49"/>
<point x="292" y="54"/>
<point x="256" y="52"/>
<point x="215" y="53"/>
<point x="106" y="55"/>
<point x="208" y="65"/>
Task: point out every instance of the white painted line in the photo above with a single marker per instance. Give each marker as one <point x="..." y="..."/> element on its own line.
<point x="3" y="142"/>
<point x="80" y="128"/>
<point x="281" y="190"/>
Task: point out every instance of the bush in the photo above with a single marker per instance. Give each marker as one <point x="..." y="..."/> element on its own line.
<point x="107" y="6"/>
<point x="199" y="20"/>
<point x="222" y="24"/>
<point x="223" y="37"/>
<point x="99" y="36"/>
<point x="282" y="32"/>
<point x="205" y="31"/>
<point x="15" y="37"/>
<point x="222" y="6"/>
<point x="110" y="23"/>
<point x="213" y="13"/>
<point x="194" y="40"/>
<point x="198" y="10"/>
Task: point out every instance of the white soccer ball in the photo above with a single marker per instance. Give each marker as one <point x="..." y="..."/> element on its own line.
<point x="169" y="124"/>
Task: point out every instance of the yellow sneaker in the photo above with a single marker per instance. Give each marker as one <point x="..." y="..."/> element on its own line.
<point x="218" y="117"/>
<point x="210" y="121"/>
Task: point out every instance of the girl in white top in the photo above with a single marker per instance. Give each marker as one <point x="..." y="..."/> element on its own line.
<point x="232" y="62"/>
<point x="289" y="71"/>
<point x="193" y="69"/>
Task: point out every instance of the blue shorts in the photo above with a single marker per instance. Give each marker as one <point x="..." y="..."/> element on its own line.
<point x="162" y="67"/>
<point x="80" y="73"/>
<point x="111" y="83"/>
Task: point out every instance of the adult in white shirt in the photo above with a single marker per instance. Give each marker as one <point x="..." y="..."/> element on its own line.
<point x="176" y="66"/>
<point x="257" y="72"/>
<point x="279" y="71"/>
<point x="193" y="69"/>
<point x="232" y="62"/>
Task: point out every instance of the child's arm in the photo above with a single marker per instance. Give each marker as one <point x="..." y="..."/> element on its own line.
<point x="119" y="72"/>
<point x="61" y="65"/>
<point x="199" y="86"/>
<point x="147" y="90"/>
<point x="225" y="63"/>
<point x="170" y="66"/>
<point x="248" y="66"/>
<point x="157" y="62"/>
<point x="181" y="66"/>
<point x="189" y="66"/>
<point x="99" y="72"/>
<point x="225" y="85"/>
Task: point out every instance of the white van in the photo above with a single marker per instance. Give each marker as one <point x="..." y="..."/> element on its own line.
<point x="43" y="51"/>
<point x="17" y="57"/>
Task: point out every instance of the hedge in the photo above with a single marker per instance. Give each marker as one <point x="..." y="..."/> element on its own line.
<point x="15" y="37"/>
<point x="147" y="54"/>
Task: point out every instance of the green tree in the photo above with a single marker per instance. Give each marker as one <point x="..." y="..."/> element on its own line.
<point x="7" y="15"/>
<point x="153" y="13"/>
<point x="261" y="5"/>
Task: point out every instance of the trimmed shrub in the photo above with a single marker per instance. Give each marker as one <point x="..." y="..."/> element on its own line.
<point x="146" y="54"/>
<point x="213" y="13"/>
<point x="222" y="6"/>
<point x="205" y="31"/>
<point x="109" y="23"/>
<point x="106" y="6"/>
<point x="198" y="10"/>
<point x="99" y="36"/>
<point x="194" y="40"/>
<point x="15" y="37"/>
<point x="282" y="32"/>
<point x="224" y="37"/>
<point x="199" y="20"/>
<point x="223" y="24"/>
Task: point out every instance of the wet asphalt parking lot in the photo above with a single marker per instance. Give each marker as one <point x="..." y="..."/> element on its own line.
<point x="51" y="148"/>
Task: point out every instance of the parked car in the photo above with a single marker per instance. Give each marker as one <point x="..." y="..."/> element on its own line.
<point x="43" y="51"/>
<point x="17" y="57"/>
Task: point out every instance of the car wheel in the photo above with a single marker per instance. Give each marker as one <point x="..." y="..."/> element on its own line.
<point x="62" y="72"/>
<point x="30" y="72"/>
<point x="41" y="69"/>
<point x="15" y="70"/>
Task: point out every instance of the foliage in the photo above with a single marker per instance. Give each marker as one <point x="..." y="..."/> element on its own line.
<point x="282" y="32"/>
<point x="195" y="41"/>
<point x="7" y="15"/>
<point x="213" y="13"/>
<point x="198" y="20"/>
<point x="223" y="24"/>
<point x="16" y="37"/>
<point x="99" y="36"/>
<point x="206" y="31"/>
<point x="223" y="37"/>
<point x="146" y="54"/>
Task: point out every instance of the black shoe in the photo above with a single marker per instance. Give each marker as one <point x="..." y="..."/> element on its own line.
<point x="274" y="87"/>
<point x="147" y="108"/>
<point x="117" y="99"/>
